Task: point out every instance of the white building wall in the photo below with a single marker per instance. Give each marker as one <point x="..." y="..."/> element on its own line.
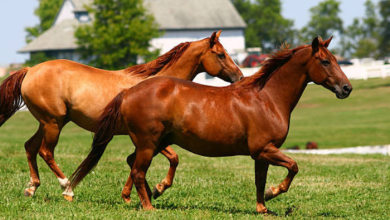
<point x="66" y="12"/>
<point x="232" y="40"/>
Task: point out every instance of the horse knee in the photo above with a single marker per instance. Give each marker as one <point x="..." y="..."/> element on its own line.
<point x="294" y="167"/>
<point x="174" y="160"/>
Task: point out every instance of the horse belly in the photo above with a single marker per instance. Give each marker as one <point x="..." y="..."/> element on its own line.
<point x="211" y="148"/>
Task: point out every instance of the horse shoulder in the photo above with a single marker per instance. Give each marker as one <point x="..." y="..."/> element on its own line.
<point x="266" y="125"/>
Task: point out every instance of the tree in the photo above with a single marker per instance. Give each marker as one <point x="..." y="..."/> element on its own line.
<point x="119" y="35"/>
<point x="266" y="26"/>
<point x="361" y="37"/>
<point x="384" y="43"/>
<point x="46" y="12"/>
<point x="324" y="21"/>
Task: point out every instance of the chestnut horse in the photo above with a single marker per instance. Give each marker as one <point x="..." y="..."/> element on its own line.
<point x="60" y="91"/>
<point x="250" y="117"/>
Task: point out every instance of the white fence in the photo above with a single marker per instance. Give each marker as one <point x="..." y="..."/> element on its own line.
<point x="379" y="149"/>
<point x="352" y="72"/>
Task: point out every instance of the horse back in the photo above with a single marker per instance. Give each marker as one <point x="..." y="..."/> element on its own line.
<point x="63" y="88"/>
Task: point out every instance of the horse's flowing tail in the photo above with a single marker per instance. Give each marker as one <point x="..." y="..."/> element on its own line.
<point x="11" y="96"/>
<point x="105" y="129"/>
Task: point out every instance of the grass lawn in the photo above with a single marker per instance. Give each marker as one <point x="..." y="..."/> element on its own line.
<point x="334" y="186"/>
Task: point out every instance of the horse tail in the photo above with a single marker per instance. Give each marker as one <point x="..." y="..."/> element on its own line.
<point x="11" y="95"/>
<point x="104" y="132"/>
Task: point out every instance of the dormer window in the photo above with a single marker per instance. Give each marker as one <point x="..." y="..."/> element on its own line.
<point x="82" y="16"/>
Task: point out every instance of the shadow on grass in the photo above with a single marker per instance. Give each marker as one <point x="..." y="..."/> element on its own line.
<point x="230" y="210"/>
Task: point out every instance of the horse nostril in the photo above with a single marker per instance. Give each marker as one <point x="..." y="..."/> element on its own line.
<point x="241" y="77"/>
<point x="347" y="88"/>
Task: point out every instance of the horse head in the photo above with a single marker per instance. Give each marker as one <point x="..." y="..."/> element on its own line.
<point x="324" y="70"/>
<point x="217" y="62"/>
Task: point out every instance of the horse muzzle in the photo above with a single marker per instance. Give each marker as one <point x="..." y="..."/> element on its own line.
<point x="343" y="91"/>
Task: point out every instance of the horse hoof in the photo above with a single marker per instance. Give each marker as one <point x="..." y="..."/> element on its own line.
<point x="269" y="194"/>
<point x="156" y="193"/>
<point x="28" y="192"/>
<point x="69" y="198"/>
<point x="126" y="199"/>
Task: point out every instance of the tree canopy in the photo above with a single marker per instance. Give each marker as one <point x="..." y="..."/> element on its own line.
<point x="266" y="26"/>
<point x="384" y="35"/>
<point x="360" y="38"/>
<point x="324" y="21"/>
<point x="46" y="12"/>
<point x="119" y="34"/>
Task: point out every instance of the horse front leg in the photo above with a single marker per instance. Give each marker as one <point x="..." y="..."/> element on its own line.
<point x="274" y="156"/>
<point x="261" y="169"/>
<point x="173" y="158"/>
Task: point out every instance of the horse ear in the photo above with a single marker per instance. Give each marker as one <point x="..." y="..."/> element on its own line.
<point x="315" y="44"/>
<point x="326" y="43"/>
<point x="212" y="39"/>
<point x="218" y="34"/>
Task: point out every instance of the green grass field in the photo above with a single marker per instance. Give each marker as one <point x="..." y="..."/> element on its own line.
<point x="327" y="187"/>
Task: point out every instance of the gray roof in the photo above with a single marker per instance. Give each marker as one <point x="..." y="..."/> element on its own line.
<point x="58" y="37"/>
<point x="195" y="14"/>
<point x="79" y="4"/>
<point x="169" y="14"/>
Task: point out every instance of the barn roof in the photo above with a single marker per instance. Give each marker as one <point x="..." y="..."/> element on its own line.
<point x="195" y="14"/>
<point x="58" y="37"/>
<point x="188" y="14"/>
<point x="169" y="14"/>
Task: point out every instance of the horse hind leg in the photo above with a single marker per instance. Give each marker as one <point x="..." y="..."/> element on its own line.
<point x="173" y="158"/>
<point x="126" y="192"/>
<point x="32" y="147"/>
<point x="138" y="172"/>
<point x="51" y="135"/>
<point x="129" y="183"/>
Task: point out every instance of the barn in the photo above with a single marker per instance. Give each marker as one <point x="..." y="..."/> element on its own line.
<point x="181" y="20"/>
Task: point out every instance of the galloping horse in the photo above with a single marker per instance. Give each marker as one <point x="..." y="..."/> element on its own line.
<point x="250" y="117"/>
<point x="60" y="91"/>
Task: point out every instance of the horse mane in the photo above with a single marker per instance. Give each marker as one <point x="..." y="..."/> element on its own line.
<point x="165" y="60"/>
<point x="271" y="65"/>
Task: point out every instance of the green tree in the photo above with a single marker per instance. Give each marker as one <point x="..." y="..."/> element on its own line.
<point x="384" y="42"/>
<point x="38" y="57"/>
<point x="119" y="35"/>
<point x="324" y="21"/>
<point x="361" y="37"/>
<point x="46" y="12"/>
<point x="266" y="26"/>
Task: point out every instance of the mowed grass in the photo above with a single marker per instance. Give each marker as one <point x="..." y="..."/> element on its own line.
<point x="360" y="120"/>
<point x="327" y="187"/>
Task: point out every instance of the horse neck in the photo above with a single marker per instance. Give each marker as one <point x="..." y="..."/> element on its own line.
<point x="287" y="85"/>
<point x="188" y="66"/>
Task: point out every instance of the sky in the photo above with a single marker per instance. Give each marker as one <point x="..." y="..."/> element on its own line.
<point x="16" y="15"/>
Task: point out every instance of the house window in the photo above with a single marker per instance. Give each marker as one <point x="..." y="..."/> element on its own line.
<point x="82" y="16"/>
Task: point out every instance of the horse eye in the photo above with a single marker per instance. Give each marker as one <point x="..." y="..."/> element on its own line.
<point x="325" y="62"/>
<point x="221" y="56"/>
